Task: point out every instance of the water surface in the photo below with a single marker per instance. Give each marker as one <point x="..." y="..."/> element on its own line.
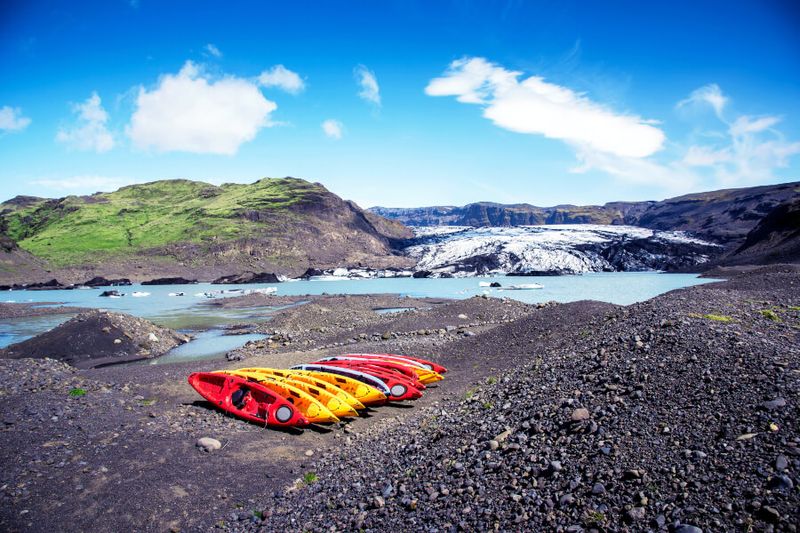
<point x="188" y="313"/>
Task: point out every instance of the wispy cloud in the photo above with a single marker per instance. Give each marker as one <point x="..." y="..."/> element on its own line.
<point x="368" y="85"/>
<point x="709" y="94"/>
<point x="11" y="119"/>
<point x="89" y="131"/>
<point x="747" y="150"/>
<point x="192" y="112"/>
<point x="333" y="128"/>
<point x="212" y="50"/>
<point x="282" y="78"/>
<point x="535" y="106"/>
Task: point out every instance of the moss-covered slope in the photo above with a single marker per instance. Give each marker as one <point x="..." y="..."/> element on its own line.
<point x="285" y="224"/>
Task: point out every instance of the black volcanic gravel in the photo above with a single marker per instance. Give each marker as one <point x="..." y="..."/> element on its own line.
<point x="678" y="413"/>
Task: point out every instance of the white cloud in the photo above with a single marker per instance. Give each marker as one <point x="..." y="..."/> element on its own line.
<point x="333" y="129"/>
<point x="282" y="78"/>
<point x="369" y="85"/>
<point x="90" y="131"/>
<point x="190" y="112"/>
<point x="745" y="124"/>
<point x="535" y="106"/>
<point x="674" y="177"/>
<point x="747" y="152"/>
<point x="709" y="94"/>
<point x="704" y="156"/>
<point x="212" y="50"/>
<point x="11" y="119"/>
<point x="85" y="183"/>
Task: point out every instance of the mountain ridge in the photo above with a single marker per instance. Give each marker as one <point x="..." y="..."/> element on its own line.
<point x="724" y="216"/>
<point x="184" y="227"/>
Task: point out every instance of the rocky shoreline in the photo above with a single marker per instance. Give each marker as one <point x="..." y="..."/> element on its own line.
<point x="677" y="413"/>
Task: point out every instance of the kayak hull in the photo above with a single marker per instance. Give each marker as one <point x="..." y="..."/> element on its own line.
<point x="430" y="365"/>
<point x="310" y="407"/>
<point x="400" y="387"/>
<point x="335" y="405"/>
<point x="246" y="400"/>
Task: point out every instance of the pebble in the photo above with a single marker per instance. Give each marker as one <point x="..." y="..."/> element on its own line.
<point x="580" y="414"/>
<point x="208" y="444"/>
<point x="769" y="514"/>
<point x="777" y="403"/>
<point x="687" y="528"/>
<point x="636" y="514"/>
<point x="598" y="489"/>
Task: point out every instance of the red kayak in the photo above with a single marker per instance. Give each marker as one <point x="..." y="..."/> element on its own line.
<point x="382" y="363"/>
<point x="246" y="399"/>
<point x="400" y="388"/>
<point x="425" y="363"/>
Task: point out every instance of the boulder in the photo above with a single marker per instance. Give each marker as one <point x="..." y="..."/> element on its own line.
<point x="108" y="294"/>
<point x="100" y="281"/>
<point x="247" y="277"/>
<point x="310" y="273"/>
<point x="172" y="281"/>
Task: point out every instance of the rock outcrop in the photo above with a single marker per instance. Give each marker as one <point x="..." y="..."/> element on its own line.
<point x="248" y="277"/>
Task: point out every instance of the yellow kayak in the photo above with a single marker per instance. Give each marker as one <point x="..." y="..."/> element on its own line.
<point x="334" y="404"/>
<point x="364" y="393"/>
<point x="296" y="376"/>
<point x="311" y="408"/>
<point x="343" y="395"/>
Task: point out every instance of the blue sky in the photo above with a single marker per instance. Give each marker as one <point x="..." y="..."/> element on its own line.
<point x="402" y="103"/>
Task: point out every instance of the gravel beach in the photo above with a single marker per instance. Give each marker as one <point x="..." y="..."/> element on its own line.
<point x="677" y="413"/>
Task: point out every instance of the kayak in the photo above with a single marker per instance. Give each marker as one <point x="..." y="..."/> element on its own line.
<point x="368" y="379"/>
<point x="363" y="393"/>
<point x="312" y="409"/>
<point x="375" y="364"/>
<point x="430" y="365"/>
<point x="246" y="399"/>
<point x="334" y="404"/>
<point x="382" y="369"/>
<point x="343" y="395"/>
<point x="400" y="388"/>
<point x="410" y="368"/>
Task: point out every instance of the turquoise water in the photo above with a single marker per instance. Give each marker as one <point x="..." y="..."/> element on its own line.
<point x="206" y="345"/>
<point x="187" y="313"/>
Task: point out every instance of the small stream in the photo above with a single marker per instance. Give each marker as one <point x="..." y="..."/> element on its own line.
<point x="209" y="344"/>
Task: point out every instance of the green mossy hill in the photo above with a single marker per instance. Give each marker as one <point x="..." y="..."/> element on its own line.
<point x="85" y="229"/>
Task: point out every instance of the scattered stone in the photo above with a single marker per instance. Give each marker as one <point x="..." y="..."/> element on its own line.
<point x="580" y="414"/>
<point x="207" y="444"/>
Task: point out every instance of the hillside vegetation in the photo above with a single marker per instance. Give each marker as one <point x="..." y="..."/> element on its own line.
<point x="285" y="224"/>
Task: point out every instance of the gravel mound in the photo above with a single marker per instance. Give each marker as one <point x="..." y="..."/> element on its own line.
<point x="679" y="413"/>
<point x="98" y="338"/>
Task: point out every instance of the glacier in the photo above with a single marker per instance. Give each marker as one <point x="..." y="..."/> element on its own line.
<point x="460" y="251"/>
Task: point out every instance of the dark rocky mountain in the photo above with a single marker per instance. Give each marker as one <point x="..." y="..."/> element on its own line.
<point x="724" y="216"/>
<point x="776" y="238"/>
<point x="483" y="214"/>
